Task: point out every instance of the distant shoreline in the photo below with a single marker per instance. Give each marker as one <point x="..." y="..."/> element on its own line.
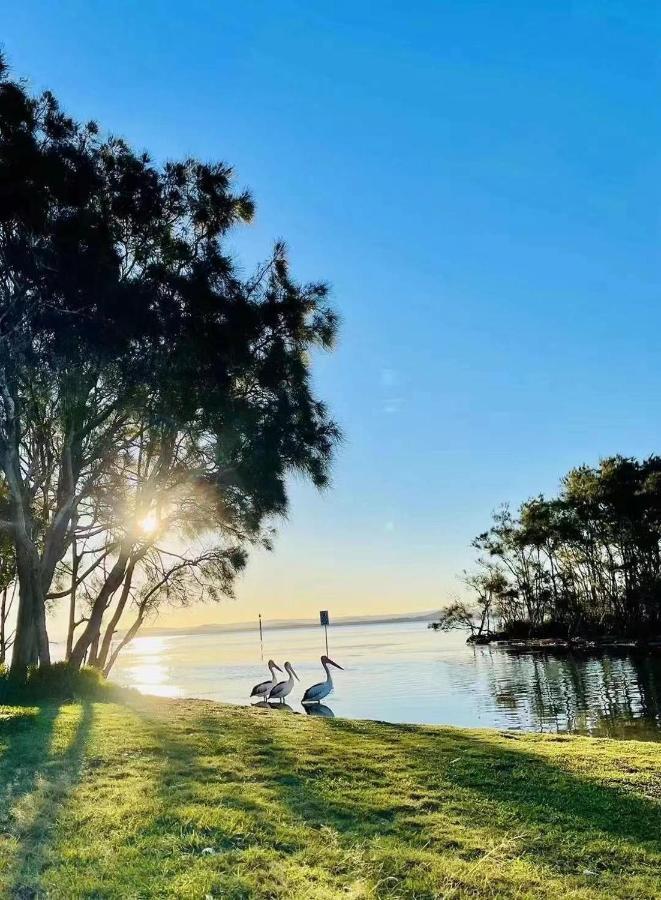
<point x="282" y="624"/>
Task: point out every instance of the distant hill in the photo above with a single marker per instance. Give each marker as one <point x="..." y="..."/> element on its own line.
<point x="276" y="624"/>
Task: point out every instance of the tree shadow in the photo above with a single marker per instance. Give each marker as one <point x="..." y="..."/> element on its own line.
<point x="523" y="787"/>
<point x="36" y="778"/>
<point x="195" y="758"/>
<point x="369" y="782"/>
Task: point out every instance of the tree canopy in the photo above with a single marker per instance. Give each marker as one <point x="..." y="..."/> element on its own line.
<point x="586" y="562"/>
<point x="153" y="399"/>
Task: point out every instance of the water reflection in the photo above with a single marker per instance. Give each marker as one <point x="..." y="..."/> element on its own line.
<point x="318" y="709"/>
<point x="281" y="707"/>
<point x="407" y="673"/>
<point x="151" y="673"/>
<point x="605" y="694"/>
<point x="265" y="704"/>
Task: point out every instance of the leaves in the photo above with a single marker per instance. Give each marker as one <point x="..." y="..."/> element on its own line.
<point x="588" y="560"/>
<point x="141" y="372"/>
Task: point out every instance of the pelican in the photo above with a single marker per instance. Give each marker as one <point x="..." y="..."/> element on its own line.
<point x="318" y="691"/>
<point x="284" y="688"/>
<point x="264" y="688"/>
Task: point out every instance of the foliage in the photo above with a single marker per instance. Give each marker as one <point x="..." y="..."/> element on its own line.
<point x="456" y="615"/>
<point x="587" y="562"/>
<point x="143" y="378"/>
<point x="59" y="681"/>
<point x="191" y="799"/>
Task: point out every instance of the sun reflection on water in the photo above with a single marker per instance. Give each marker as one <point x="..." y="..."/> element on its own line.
<point x="151" y="674"/>
<point x="407" y="673"/>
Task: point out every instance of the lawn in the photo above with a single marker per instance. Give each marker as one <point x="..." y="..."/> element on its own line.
<point x="164" y="798"/>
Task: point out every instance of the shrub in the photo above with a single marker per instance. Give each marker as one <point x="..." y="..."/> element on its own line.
<point x="60" y="681"/>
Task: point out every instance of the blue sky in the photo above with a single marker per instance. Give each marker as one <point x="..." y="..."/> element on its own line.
<point x="480" y="184"/>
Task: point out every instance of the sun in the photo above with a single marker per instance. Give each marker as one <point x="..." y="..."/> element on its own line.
<point x="149" y="524"/>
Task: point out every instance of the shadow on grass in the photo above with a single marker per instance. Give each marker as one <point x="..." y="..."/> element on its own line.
<point x="367" y="781"/>
<point x="521" y="783"/>
<point x="36" y="778"/>
<point x="200" y="763"/>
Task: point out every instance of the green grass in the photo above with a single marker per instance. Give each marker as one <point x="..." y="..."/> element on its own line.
<point x="191" y="799"/>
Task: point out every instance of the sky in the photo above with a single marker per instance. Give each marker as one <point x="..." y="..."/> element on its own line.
<point x="479" y="183"/>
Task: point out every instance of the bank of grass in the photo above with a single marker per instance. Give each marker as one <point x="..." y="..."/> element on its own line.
<point x="162" y="798"/>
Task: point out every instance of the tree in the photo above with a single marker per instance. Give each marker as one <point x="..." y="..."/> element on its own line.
<point x="140" y="374"/>
<point x="586" y="561"/>
<point x="456" y="615"/>
<point x="7" y="595"/>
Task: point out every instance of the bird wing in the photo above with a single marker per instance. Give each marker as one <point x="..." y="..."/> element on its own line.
<point x="277" y="690"/>
<point x="260" y="688"/>
<point x="311" y="692"/>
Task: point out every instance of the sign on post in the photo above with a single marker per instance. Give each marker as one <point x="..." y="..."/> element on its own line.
<point x="325" y="621"/>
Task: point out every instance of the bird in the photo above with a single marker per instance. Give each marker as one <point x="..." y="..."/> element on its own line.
<point x="264" y="688"/>
<point x="284" y="688"/>
<point x="318" y="691"/>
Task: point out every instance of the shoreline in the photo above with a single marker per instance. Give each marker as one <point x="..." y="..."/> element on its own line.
<point x="569" y="645"/>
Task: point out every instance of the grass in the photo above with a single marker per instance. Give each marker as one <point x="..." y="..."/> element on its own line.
<point x="163" y="798"/>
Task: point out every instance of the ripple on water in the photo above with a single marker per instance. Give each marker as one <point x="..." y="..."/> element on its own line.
<point x="405" y="672"/>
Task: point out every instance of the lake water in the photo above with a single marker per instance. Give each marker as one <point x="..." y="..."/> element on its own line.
<point x="404" y="672"/>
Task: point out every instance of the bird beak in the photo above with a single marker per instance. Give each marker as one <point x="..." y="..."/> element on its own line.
<point x="337" y="665"/>
<point x="294" y="674"/>
<point x="277" y="667"/>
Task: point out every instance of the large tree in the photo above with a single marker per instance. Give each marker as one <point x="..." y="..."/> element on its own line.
<point x="142" y="377"/>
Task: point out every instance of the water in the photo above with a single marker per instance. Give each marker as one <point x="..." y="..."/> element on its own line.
<point x="404" y="672"/>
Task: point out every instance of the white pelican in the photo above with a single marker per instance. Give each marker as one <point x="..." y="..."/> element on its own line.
<point x="264" y="688"/>
<point x="284" y="688"/>
<point x="318" y="691"/>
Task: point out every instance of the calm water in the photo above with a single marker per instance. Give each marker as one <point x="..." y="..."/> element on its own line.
<point x="408" y="673"/>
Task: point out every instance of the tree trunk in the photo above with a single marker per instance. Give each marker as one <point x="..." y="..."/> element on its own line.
<point x="93" y="652"/>
<point x="24" y="652"/>
<point x="93" y="628"/>
<point x="43" y="644"/>
<point x="102" y="658"/>
<point x="128" y="637"/>
<point x="72" y="600"/>
<point x="31" y="641"/>
<point x="3" y="626"/>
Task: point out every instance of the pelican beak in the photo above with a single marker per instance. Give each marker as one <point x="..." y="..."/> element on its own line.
<point x="337" y="665"/>
<point x="294" y="674"/>
<point x="276" y="666"/>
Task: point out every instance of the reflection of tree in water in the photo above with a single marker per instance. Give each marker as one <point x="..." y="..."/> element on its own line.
<point x="609" y="694"/>
<point x="648" y="682"/>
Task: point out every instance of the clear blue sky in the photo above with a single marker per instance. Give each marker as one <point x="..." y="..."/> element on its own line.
<point x="480" y="183"/>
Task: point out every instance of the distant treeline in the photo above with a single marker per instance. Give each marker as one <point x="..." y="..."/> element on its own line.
<point x="585" y="563"/>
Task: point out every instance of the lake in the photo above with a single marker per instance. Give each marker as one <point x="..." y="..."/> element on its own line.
<point x="405" y="672"/>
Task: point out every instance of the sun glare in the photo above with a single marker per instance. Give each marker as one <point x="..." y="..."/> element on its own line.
<point x="149" y="524"/>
